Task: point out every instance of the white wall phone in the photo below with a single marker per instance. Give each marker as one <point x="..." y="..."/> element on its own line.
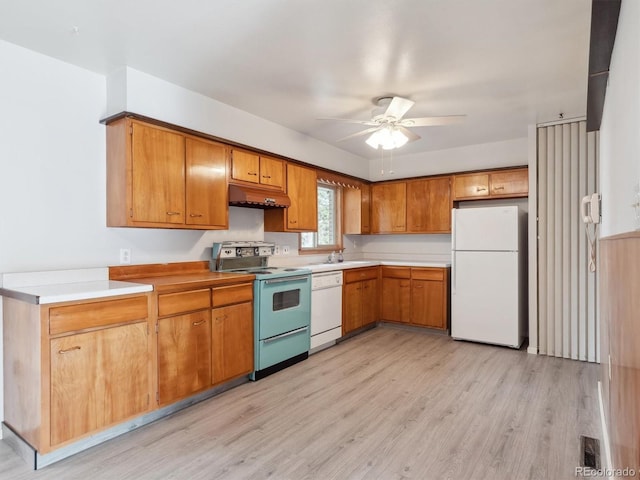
<point x="591" y="208"/>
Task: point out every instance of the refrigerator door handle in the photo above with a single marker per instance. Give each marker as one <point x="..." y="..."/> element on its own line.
<point x="453" y="272"/>
<point x="453" y="229"/>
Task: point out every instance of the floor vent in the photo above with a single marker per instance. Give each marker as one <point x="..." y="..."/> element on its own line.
<point x="590" y="452"/>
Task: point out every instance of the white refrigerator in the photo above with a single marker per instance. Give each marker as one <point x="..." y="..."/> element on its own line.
<point x="488" y="282"/>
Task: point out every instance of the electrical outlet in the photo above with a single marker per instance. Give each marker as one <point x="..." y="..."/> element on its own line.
<point x="125" y="256"/>
<point x="276" y="250"/>
<point x="285" y="249"/>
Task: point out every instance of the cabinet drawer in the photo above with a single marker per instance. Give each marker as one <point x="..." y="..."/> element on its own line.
<point x="232" y="294"/>
<point x="427" y="274"/>
<point x="96" y="314"/>
<point x="396" y="272"/>
<point x="174" y="303"/>
<point x="357" y="274"/>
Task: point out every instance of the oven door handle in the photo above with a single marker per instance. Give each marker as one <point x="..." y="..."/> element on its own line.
<point x="284" y="335"/>
<point x="287" y="279"/>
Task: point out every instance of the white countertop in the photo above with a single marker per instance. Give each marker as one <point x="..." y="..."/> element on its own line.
<point x="66" y="285"/>
<point x="328" y="267"/>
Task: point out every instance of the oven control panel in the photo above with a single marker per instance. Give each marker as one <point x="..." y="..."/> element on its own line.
<point x="243" y="249"/>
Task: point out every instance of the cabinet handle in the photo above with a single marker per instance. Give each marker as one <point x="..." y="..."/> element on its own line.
<point x="195" y="215"/>
<point x="417" y="286"/>
<point x="481" y="189"/>
<point x="293" y="221"/>
<point x="68" y="350"/>
<point x="266" y="176"/>
<point x="252" y="173"/>
<point x="499" y="188"/>
<point x="195" y="324"/>
<point x="222" y="318"/>
<point x="173" y="213"/>
<point x="399" y="226"/>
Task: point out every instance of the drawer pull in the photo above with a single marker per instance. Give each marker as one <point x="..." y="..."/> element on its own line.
<point x="222" y="318"/>
<point x="69" y="350"/>
<point x="173" y="213"/>
<point x="498" y="188"/>
<point x="195" y="215"/>
<point x="418" y="286"/>
<point x="196" y="324"/>
<point x="266" y="176"/>
<point x="293" y="221"/>
<point x="481" y="189"/>
<point x="252" y="173"/>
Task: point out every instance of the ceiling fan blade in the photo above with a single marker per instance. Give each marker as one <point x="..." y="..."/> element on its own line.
<point x="432" y="121"/>
<point x="349" y="120"/>
<point x="358" y="134"/>
<point x="398" y="107"/>
<point x="410" y="135"/>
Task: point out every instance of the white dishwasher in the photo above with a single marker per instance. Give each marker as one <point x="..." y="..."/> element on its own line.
<point x="326" y="309"/>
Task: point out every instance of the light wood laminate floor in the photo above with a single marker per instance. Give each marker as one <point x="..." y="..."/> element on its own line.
<point x="386" y="404"/>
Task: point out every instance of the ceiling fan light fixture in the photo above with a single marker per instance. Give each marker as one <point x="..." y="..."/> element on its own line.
<point x="388" y="138"/>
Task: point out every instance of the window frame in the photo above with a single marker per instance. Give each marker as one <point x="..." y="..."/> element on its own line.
<point x="338" y="224"/>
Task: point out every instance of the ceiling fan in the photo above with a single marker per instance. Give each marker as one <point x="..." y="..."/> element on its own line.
<point x="389" y="129"/>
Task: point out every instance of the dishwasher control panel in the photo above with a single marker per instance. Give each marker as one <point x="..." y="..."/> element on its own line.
<point x="326" y="280"/>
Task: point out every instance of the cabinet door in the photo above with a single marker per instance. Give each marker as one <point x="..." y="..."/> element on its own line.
<point x="98" y="379"/>
<point x="471" y="186"/>
<point x="512" y="183"/>
<point x="184" y="355"/>
<point x="206" y="184"/>
<point x="366" y="209"/>
<point x="370" y="301"/>
<point x="232" y="340"/>
<point x="396" y="301"/>
<point x="158" y="175"/>
<point x="245" y="166"/>
<point x="428" y="303"/>
<point x="302" y="215"/>
<point x="388" y="208"/>
<point x="429" y="206"/>
<point x="352" y="307"/>
<point x="272" y="172"/>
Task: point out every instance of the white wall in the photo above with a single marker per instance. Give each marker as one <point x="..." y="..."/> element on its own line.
<point x="141" y="94"/>
<point x="620" y="129"/>
<point x="507" y="153"/>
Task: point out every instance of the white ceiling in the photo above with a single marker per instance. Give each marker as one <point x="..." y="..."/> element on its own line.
<point x="504" y="63"/>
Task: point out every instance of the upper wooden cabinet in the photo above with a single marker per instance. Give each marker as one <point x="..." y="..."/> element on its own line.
<point x="389" y="207"/>
<point x="413" y="206"/>
<point x="356" y="203"/>
<point x="496" y="184"/>
<point x="429" y="205"/>
<point x="257" y="169"/>
<point x="157" y="177"/>
<point x="302" y="215"/>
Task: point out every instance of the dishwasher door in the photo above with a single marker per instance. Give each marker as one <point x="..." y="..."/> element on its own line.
<point x="326" y="309"/>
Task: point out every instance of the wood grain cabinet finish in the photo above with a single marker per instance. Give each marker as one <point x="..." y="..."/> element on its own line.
<point x="416" y="296"/>
<point x="429" y="205"/>
<point x="360" y="298"/>
<point x="302" y="215"/>
<point x="72" y="377"/>
<point x="389" y="207"/>
<point x="232" y="341"/>
<point x="356" y="203"/>
<point x="157" y="177"/>
<point x="249" y="167"/>
<point x="509" y="183"/>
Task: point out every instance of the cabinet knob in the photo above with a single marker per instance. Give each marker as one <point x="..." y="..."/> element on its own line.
<point x="69" y="350"/>
<point x="173" y="213"/>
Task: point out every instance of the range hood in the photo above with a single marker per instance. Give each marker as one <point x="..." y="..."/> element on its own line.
<point x="252" y="197"/>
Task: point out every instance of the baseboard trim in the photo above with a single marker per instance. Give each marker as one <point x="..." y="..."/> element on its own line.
<point x="605" y="432"/>
<point x="532" y="350"/>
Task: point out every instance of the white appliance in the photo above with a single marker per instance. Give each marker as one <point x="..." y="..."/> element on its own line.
<point x="488" y="283"/>
<point x="326" y="309"/>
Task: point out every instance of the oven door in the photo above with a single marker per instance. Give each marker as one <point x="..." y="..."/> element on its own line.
<point x="283" y="305"/>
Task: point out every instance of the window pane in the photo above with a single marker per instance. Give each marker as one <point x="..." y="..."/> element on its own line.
<point x="308" y="240"/>
<point x="326" y="216"/>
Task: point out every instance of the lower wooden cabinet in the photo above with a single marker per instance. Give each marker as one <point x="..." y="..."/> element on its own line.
<point x="98" y="379"/>
<point x="184" y="355"/>
<point x="232" y="341"/>
<point x="416" y="296"/>
<point x="360" y="298"/>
